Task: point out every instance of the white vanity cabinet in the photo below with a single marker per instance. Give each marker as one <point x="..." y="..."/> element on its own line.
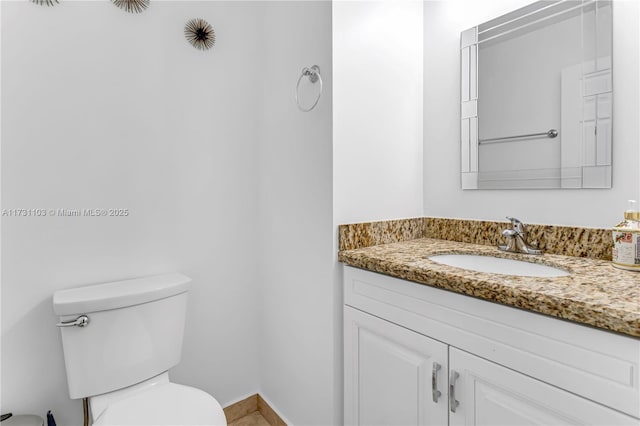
<point x="395" y="376"/>
<point x="418" y="355"/>
<point x="489" y="394"/>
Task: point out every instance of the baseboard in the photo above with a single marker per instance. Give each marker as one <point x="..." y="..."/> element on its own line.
<point x="250" y="405"/>
<point x="269" y="413"/>
<point x="241" y="408"/>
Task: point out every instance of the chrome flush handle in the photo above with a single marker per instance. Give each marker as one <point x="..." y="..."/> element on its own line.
<point x="81" y="321"/>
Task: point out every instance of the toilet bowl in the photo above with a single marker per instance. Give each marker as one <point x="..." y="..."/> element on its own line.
<point x="156" y="401"/>
<point x="119" y="341"/>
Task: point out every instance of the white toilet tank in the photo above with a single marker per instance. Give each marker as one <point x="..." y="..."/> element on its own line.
<point x="134" y="331"/>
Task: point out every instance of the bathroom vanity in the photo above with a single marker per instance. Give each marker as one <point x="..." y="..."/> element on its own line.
<point x="426" y="343"/>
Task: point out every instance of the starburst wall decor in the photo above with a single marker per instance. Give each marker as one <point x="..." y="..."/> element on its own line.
<point x="131" y="6"/>
<point x="200" y="34"/>
<point x="45" y="2"/>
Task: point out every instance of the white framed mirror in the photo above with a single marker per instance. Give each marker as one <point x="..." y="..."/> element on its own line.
<point x="536" y="98"/>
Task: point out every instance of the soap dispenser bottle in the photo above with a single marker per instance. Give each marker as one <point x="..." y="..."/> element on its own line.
<point x="626" y="240"/>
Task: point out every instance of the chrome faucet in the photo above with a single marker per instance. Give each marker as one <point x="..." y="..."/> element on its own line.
<point x="517" y="241"/>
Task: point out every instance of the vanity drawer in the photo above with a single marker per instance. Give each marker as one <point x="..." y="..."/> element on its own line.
<point x="595" y="364"/>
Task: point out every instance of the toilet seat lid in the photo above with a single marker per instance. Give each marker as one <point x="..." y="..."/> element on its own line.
<point x="166" y="404"/>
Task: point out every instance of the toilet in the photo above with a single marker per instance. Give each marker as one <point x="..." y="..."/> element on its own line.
<point x="119" y="341"/>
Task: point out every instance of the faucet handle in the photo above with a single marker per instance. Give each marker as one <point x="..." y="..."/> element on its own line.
<point x="517" y="239"/>
<point x="509" y="233"/>
<point x="518" y="226"/>
<point x="514" y="221"/>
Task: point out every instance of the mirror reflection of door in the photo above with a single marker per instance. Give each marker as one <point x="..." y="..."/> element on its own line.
<point x="539" y="114"/>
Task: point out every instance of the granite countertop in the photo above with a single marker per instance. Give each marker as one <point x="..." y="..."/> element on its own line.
<point x="595" y="293"/>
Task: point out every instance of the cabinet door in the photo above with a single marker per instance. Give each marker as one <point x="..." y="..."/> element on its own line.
<point x="391" y="374"/>
<point x="492" y="395"/>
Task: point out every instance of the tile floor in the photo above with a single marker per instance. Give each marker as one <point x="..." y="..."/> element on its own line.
<point x="252" y="419"/>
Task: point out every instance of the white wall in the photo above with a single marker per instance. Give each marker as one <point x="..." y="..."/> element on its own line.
<point x="104" y="109"/>
<point x="377" y="128"/>
<point x="296" y="351"/>
<point x="377" y="112"/>
<point x="225" y="179"/>
<point x="443" y="21"/>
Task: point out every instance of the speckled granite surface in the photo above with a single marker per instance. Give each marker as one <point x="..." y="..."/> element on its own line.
<point x="595" y="293"/>
<point x="368" y="234"/>
<point x="594" y="243"/>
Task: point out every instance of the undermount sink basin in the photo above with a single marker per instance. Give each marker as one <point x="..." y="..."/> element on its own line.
<point x="498" y="265"/>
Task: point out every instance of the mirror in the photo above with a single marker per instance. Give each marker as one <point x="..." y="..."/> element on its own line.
<point x="536" y="98"/>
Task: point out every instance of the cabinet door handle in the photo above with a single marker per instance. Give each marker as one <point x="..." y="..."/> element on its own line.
<point x="453" y="403"/>
<point x="434" y="382"/>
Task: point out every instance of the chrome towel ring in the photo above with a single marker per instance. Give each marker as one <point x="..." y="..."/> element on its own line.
<point x="314" y="76"/>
